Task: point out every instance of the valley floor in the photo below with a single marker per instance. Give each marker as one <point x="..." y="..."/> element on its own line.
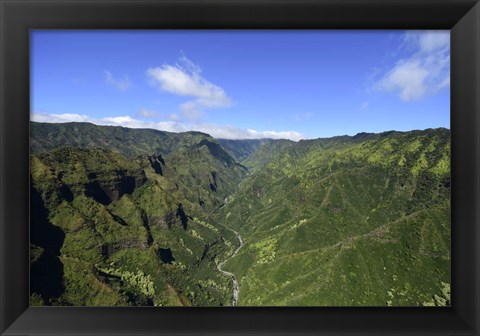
<point x="236" y="288"/>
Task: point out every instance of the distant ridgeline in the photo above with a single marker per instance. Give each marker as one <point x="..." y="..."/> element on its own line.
<point x="125" y="216"/>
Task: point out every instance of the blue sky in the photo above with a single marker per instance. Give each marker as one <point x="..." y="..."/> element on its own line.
<point x="244" y="84"/>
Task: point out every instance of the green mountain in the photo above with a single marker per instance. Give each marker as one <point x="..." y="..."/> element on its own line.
<point x="361" y="220"/>
<point x="144" y="217"/>
<point x="126" y="141"/>
<point x="111" y="230"/>
<point x="243" y="149"/>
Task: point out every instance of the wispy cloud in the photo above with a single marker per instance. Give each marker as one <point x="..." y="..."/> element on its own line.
<point x="121" y="84"/>
<point x="122" y="120"/>
<point x="152" y="114"/>
<point x="59" y="118"/>
<point x="78" y="81"/>
<point x="424" y="71"/>
<point x="147" y="113"/>
<point x="217" y="131"/>
<point x="427" y="41"/>
<point x="303" y="116"/>
<point x="184" y="79"/>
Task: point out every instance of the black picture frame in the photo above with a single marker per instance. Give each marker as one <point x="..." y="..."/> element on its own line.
<point x="17" y="17"/>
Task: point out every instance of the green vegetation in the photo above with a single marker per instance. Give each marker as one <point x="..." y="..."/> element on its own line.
<point x="143" y="217"/>
<point x="139" y="281"/>
<point x="130" y="230"/>
<point x="361" y="220"/>
<point x="127" y="141"/>
<point x="441" y="300"/>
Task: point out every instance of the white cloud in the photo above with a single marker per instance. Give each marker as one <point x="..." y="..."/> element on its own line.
<point x="59" y="118"/>
<point x="78" y="81"/>
<point x="121" y="84"/>
<point x="216" y="131"/>
<point x="303" y="116"/>
<point x="152" y="114"/>
<point x="147" y="113"/>
<point x="226" y="132"/>
<point x="445" y="83"/>
<point x="121" y="120"/>
<point x="191" y="110"/>
<point x="408" y="79"/>
<point x="184" y="79"/>
<point x="425" y="71"/>
<point x="427" y="41"/>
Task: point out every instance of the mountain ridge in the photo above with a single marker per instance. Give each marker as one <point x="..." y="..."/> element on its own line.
<point x="41" y="130"/>
<point x="145" y="218"/>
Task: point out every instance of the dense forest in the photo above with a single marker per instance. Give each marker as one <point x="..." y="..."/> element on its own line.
<point x="141" y="217"/>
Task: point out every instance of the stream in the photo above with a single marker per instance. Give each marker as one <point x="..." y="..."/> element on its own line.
<point x="236" y="288"/>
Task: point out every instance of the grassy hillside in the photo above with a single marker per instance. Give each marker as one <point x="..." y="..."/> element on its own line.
<point x="126" y="141"/>
<point x="143" y="217"/>
<point x="109" y="230"/>
<point x="345" y="221"/>
<point x="243" y="149"/>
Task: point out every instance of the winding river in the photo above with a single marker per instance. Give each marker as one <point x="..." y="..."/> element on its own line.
<point x="236" y="288"/>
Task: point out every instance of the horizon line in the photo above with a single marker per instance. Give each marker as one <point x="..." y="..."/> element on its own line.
<point x="242" y="139"/>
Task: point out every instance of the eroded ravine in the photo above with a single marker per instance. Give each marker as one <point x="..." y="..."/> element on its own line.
<point x="236" y="288"/>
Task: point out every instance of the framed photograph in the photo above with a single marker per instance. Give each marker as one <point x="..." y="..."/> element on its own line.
<point x="228" y="167"/>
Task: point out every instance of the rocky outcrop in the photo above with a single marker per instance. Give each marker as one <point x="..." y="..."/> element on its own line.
<point x="216" y="151"/>
<point x="172" y="218"/>
<point x="165" y="255"/>
<point x="107" y="190"/>
<point x="68" y="172"/>
<point x="156" y="162"/>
